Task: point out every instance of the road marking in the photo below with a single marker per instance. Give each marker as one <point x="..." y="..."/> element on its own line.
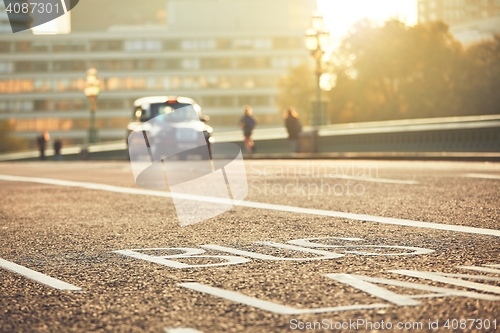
<point x="440" y="291"/>
<point x="181" y="330"/>
<point x="447" y="280"/>
<point x="306" y="242"/>
<point x="255" y="255"/>
<point x="36" y="276"/>
<point x="468" y="276"/>
<point x="376" y="180"/>
<point x="480" y="175"/>
<point x="259" y="205"/>
<point x="271" y="306"/>
<point x="481" y="269"/>
<point x="374" y="290"/>
<point x="189" y="253"/>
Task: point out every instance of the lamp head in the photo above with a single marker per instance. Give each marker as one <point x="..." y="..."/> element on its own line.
<point x="311" y="38"/>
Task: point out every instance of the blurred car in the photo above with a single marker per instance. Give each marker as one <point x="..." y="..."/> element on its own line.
<point x="174" y="124"/>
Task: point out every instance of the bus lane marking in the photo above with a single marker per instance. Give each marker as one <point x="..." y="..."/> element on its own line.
<point x="36" y="276"/>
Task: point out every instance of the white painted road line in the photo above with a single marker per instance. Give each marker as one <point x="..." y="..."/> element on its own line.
<point x="259" y="205"/>
<point x="271" y="306"/>
<point x="374" y="290"/>
<point x="181" y="330"/>
<point x="36" y="276"/>
<point x="377" y="180"/>
<point x="447" y="280"/>
<point x="480" y="175"/>
<point x="480" y="269"/>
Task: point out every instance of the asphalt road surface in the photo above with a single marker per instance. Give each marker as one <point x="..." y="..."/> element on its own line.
<point x="323" y="246"/>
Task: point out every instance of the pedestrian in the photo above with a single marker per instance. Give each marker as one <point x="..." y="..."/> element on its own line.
<point x="57" y="149"/>
<point x="294" y="128"/>
<point x="247" y="123"/>
<point x="41" y="142"/>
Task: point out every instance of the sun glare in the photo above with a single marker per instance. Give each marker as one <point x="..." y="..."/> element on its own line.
<point x="340" y="15"/>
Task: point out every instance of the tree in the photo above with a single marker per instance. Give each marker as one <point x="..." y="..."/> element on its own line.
<point x="297" y="90"/>
<point x="7" y="142"/>
<point x="395" y="71"/>
<point x="481" y="89"/>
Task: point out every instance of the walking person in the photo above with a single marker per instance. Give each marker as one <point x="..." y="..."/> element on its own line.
<point x="57" y="149"/>
<point x="41" y="142"/>
<point x="247" y="123"/>
<point x="294" y="128"/>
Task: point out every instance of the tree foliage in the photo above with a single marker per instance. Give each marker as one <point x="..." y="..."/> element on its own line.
<point x="297" y="90"/>
<point x="395" y="71"/>
<point x="7" y="142"/>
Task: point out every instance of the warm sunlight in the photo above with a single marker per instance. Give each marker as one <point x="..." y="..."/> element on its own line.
<point x="341" y="14"/>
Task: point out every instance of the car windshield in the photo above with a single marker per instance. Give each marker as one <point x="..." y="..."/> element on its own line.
<point x="174" y="112"/>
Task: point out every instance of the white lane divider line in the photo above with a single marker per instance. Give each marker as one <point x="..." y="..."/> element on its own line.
<point x="258" y="205"/>
<point x="181" y="330"/>
<point x="481" y="269"/>
<point x="481" y="175"/>
<point x="36" y="276"/>
<point x="270" y="306"/>
<point x="377" y="180"/>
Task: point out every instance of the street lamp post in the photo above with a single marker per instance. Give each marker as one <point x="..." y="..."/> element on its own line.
<point x="317" y="38"/>
<point x="92" y="90"/>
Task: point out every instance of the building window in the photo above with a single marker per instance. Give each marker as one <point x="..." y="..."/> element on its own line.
<point x="255" y="62"/>
<point x="68" y="47"/>
<point x="43" y="85"/>
<point x="280" y="62"/>
<point x="69" y="66"/>
<point x="224" y="44"/>
<point x="42" y="105"/>
<point x="258" y="100"/>
<point x="216" y="63"/>
<point x="16" y="106"/>
<point x="6" y="67"/>
<point x="154" y="84"/>
<point x="209" y="44"/>
<point x="217" y="101"/>
<point x="171" y="44"/>
<point x="173" y="63"/>
<point x="288" y="43"/>
<point x="23" y="47"/>
<point x="243" y="44"/>
<point x="4" y="47"/>
<point x="110" y="104"/>
<point x="191" y="63"/>
<point x="189" y="45"/>
<point x="106" y="45"/>
<point x="454" y="3"/>
<point x="31" y="66"/>
<point x="263" y="43"/>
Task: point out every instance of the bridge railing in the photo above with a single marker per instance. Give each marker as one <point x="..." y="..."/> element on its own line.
<point x="449" y="134"/>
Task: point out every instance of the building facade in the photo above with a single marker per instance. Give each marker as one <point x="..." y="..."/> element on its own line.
<point x="457" y="11"/>
<point x="234" y="58"/>
<point x="4" y="20"/>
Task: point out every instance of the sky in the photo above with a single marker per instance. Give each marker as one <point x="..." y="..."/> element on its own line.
<point x="341" y="14"/>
